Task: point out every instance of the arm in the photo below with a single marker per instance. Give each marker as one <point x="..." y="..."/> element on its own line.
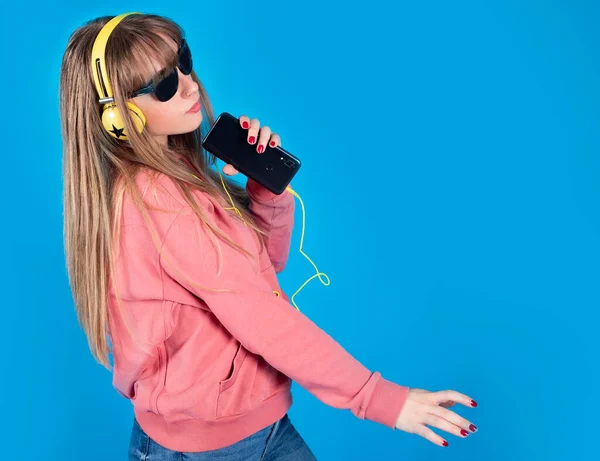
<point x="269" y="326"/>
<point x="275" y="215"/>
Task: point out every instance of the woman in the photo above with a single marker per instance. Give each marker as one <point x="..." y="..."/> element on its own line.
<point x="175" y="266"/>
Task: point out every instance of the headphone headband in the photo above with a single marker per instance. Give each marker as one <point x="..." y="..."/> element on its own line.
<point x="98" y="59"/>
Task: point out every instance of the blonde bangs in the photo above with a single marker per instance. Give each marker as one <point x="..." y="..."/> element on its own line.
<point x="139" y="53"/>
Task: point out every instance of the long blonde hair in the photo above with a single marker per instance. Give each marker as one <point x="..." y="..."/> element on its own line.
<point x="98" y="169"/>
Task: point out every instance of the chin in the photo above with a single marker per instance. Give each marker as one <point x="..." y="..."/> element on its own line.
<point x="189" y="126"/>
<point x="197" y="120"/>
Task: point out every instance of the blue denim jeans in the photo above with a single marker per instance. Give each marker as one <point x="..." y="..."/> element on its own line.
<point x="278" y="442"/>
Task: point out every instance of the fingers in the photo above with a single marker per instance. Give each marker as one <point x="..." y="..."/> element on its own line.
<point x="259" y="136"/>
<point x="275" y="140"/>
<point x="244" y="121"/>
<point x="453" y="418"/>
<point x="445" y="425"/>
<point x="457" y="397"/>
<point x="253" y="131"/>
<point x="448" y="404"/>
<point x="428" y="434"/>
<point x="265" y="135"/>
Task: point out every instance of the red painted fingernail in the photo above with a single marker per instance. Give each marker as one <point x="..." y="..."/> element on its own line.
<point x="251" y="139"/>
<point x="463" y="432"/>
<point x="245" y="125"/>
<point x="473" y="403"/>
<point x="445" y="443"/>
<point x="272" y="143"/>
<point x="260" y="149"/>
<point x="473" y="427"/>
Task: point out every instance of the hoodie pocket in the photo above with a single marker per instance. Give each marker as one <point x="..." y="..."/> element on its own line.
<point x="224" y="400"/>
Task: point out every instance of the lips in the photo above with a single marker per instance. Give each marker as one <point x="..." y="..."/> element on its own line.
<point x="195" y="108"/>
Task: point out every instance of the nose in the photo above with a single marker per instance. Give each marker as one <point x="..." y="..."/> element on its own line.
<point x="188" y="86"/>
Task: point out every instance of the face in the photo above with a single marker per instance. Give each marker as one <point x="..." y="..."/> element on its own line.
<point x="172" y="116"/>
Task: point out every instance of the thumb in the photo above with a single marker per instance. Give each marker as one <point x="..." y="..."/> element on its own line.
<point x="229" y="170"/>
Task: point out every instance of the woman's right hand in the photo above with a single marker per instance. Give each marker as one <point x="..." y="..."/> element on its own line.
<point x="423" y="408"/>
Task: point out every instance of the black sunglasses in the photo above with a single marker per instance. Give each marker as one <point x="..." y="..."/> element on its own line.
<point x="167" y="86"/>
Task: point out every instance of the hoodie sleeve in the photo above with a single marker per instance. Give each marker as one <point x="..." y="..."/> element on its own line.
<point x="275" y="215"/>
<point x="271" y="327"/>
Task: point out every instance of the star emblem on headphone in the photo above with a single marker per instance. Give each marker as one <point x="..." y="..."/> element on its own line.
<point x="118" y="132"/>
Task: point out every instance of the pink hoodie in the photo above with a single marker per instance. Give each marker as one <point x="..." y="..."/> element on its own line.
<point x="217" y="365"/>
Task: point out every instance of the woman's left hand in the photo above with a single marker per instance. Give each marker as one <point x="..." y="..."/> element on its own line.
<point x="256" y="136"/>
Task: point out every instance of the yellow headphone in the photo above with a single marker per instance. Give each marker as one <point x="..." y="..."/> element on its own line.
<point x="111" y="114"/>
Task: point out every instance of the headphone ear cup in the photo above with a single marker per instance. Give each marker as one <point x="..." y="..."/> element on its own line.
<point x="113" y="123"/>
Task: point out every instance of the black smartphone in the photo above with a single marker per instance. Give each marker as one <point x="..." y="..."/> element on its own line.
<point x="273" y="169"/>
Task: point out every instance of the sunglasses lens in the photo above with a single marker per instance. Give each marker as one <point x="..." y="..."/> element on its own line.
<point x="167" y="87"/>
<point x="185" y="59"/>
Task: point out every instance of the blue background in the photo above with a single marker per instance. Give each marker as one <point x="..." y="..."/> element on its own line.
<point x="450" y="165"/>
